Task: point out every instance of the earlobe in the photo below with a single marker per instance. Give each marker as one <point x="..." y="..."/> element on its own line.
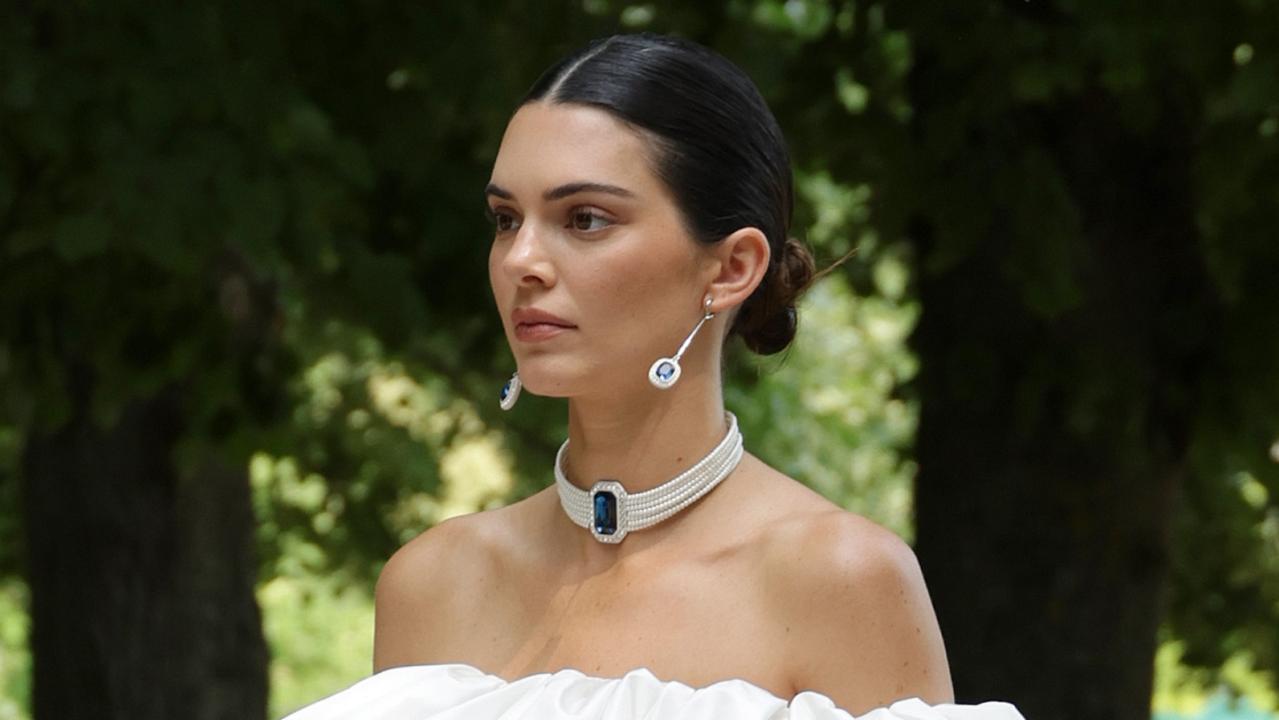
<point x="743" y="263"/>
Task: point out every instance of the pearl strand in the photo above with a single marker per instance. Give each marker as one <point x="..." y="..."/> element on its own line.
<point x="645" y="509"/>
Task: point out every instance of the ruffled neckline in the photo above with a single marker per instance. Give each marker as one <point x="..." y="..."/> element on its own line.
<point x="457" y="691"/>
<point x="642" y="672"/>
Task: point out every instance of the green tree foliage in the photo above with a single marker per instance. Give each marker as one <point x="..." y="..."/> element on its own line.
<point x="1191" y="92"/>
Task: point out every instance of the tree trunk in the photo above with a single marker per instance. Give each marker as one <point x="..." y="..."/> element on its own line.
<point x="141" y="576"/>
<point x="1052" y="443"/>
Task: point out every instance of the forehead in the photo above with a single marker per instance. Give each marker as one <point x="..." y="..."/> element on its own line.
<point x="547" y="145"/>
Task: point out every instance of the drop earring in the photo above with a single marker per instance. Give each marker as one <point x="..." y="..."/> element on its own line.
<point x="510" y="392"/>
<point x="665" y="372"/>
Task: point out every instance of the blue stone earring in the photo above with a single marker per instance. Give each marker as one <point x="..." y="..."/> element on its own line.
<point x="510" y="392"/>
<point x="665" y="371"/>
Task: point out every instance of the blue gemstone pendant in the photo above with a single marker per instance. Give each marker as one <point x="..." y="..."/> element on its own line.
<point x="605" y="513"/>
<point x="510" y="392"/>
<point x="664" y="373"/>
<point x="609" y="521"/>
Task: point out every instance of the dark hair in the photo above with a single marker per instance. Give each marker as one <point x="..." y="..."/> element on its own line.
<point x="718" y="148"/>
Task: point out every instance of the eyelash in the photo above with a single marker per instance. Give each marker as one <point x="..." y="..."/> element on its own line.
<point x="496" y="216"/>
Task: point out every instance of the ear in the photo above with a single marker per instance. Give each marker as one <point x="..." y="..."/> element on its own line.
<point x="736" y="267"/>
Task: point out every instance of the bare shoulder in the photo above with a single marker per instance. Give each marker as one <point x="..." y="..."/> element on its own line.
<point x="861" y="626"/>
<point x="418" y="591"/>
<point x="831" y="543"/>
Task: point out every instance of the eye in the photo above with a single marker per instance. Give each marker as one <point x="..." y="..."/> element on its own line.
<point x="502" y="220"/>
<point x="587" y="220"/>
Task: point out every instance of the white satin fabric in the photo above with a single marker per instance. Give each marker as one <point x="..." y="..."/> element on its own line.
<point x="461" y="692"/>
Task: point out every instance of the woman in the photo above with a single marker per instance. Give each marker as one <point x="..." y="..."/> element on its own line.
<point x="641" y="200"/>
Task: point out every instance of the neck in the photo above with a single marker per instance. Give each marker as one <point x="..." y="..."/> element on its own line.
<point x="642" y="446"/>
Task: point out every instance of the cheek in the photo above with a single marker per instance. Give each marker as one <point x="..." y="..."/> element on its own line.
<point x="634" y="295"/>
<point x="631" y="277"/>
<point x="497" y="282"/>
<point x="495" y="275"/>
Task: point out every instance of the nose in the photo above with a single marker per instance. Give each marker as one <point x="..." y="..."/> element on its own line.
<point x="526" y="261"/>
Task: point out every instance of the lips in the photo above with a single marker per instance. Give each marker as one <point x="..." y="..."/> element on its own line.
<point x="535" y="324"/>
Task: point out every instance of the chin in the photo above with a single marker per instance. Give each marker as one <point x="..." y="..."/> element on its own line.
<point x="546" y="383"/>
<point x="546" y="377"/>
<point x="540" y="391"/>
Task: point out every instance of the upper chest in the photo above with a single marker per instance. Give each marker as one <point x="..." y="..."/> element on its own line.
<point x="698" y="621"/>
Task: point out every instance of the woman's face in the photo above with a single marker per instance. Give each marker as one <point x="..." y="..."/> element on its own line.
<point x="586" y="232"/>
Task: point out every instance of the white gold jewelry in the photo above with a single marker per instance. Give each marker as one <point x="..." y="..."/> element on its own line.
<point x="664" y="372"/>
<point x="609" y="512"/>
<point x="510" y="392"/>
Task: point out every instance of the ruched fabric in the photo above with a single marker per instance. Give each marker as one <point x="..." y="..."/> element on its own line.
<point x="462" y="692"/>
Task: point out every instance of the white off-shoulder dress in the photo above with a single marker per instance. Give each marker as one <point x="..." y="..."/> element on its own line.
<point x="455" y="691"/>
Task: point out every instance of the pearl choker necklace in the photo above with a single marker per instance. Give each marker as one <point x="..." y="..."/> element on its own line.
<point x="610" y="513"/>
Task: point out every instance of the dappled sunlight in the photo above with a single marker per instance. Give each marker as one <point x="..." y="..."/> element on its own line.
<point x="1184" y="692"/>
<point x="834" y="420"/>
<point x="321" y="637"/>
<point x="15" y="657"/>
<point x="477" y="475"/>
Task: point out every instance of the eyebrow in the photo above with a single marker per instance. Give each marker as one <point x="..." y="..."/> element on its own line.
<point x="563" y="191"/>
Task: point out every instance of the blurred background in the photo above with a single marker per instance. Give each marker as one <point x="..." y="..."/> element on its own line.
<point x="248" y="349"/>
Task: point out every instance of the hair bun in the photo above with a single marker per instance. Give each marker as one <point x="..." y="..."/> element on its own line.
<point x="768" y="321"/>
